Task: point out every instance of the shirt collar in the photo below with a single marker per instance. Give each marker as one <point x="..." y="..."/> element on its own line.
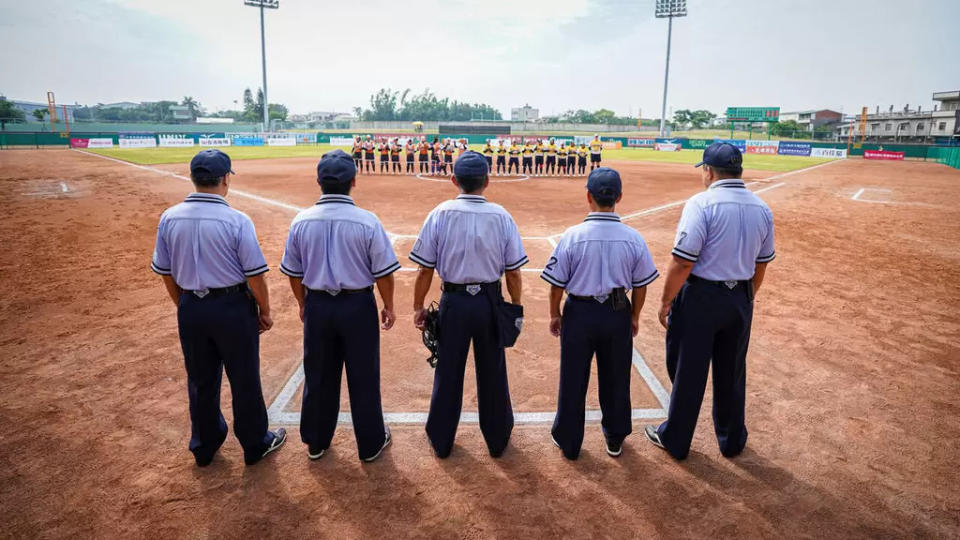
<point x="341" y="199"/>
<point x="206" y="198"/>
<point x="472" y="198"/>
<point x="728" y="183"/>
<point x="603" y="216"/>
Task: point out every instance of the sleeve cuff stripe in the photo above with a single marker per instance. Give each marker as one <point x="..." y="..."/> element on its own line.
<point x="387" y="271"/>
<point x="552" y="281"/>
<point x="648" y="280"/>
<point x="289" y="272"/>
<point x="161" y="271"/>
<point x="685" y="252"/>
<point x="682" y="255"/>
<point x="257" y="269"/>
<point x="158" y="267"/>
<point x="768" y="258"/>
<point x="257" y="272"/>
<point x="518" y="264"/>
<point x="421" y="261"/>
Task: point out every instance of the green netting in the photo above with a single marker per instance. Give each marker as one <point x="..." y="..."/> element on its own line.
<point x="946" y="155"/>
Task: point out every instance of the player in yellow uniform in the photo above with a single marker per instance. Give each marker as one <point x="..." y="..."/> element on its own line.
<point x="514" y="163"/>
<point x="488" y="155"/>
<point x="551" y="158"/>
<point x="582" y="160"/>
<point x="527" y="161"/>
<point x="595" y="147"/>
<point x="501" y="159"/>
<point x="562" y="160"/>
<point x="571" y="159"/>
<point x="538" y="158"/>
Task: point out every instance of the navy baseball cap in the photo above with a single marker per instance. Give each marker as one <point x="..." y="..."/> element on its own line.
<point x="604" y="182"/>
<point x="336" y="165"/>
<point x="471" y="163"/>
<point x="211" y="163"/>
<point x="722" y="155"/>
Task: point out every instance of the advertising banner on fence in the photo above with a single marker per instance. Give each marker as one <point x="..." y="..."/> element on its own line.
<point x="739" y="143"/>
<point x="882" y="154"/>
<point x="790" y="148"/>
<point x="137" y="140"/>
<point x="699" y="143"/>
<point x="305" y="138"/>
<point x="281" y="140"/>
<point x="91" y="143"/>
<point x="667" y="146"/>
<point x="175" y="140"/>
<point x="247" y="140"/>
<point x="213" y="141"/>
<point x="341" y="141"/>
<point x="762" y="147"/>
<point x="641" y="143"/>
<point x="828" y="153"/>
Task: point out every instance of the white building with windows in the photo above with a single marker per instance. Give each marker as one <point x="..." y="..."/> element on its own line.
<point x="524" y="114"/>
<point x="909" y="125"/>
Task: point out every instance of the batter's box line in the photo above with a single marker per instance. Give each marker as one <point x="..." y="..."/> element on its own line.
<point x="280" y="417"/>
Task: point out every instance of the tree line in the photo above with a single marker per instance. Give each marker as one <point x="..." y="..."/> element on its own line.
<point x="388" y="104"/>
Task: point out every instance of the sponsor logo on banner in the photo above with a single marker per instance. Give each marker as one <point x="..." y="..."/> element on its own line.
<point x="305" y="138"/>
<point x="641" y="143"/>
<point x="213" y="141"/>
<point x="667" y="147"/>
<point x="137" y="142"/>
<point x="699" y="143"/>
<point x="882" y="154"/>
<point x="610" y="145"/>
<point x="281" y="140"/>
<point x="789" y="148"/>
<point x="828" y="153"/>
<point x="341" y="141"/>
<point x="739" y="143"/>
<point x="79" y="143"/>
<point x="175" y="140"/>
<point x="105" y="142"/>
<point x="762" y="147"/>
<point x="247" y="140"/>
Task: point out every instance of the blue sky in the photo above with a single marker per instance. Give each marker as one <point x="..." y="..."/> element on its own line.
<point x="555" y="55"/>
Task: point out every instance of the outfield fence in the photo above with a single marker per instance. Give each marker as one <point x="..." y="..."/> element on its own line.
<point x="947" y="156"/>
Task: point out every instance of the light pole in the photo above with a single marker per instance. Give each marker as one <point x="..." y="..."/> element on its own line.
<point x="668" y="9"/>
<point x="268" y="4"/>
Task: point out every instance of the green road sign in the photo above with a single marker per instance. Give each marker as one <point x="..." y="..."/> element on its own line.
<point x="753" y="114"/>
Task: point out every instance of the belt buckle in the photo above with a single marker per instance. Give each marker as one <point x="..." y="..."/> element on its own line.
<point x="730" y="284"/>
<point x="334" y="292"/>
<point x="473" y="289"/>
<point x="201" y="293"/>
<point x="602" y="298"/>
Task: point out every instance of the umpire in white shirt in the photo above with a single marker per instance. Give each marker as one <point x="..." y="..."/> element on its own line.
<point x="334" y="254"/>
<point x="471" y="243"/>
<point x="724" y="242"/>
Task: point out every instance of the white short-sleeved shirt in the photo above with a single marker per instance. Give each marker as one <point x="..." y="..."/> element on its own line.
<point x="725" y="231"/>
<point x="600" y="255"/>
<point x="335" y="246"/>
<point x="469" y="240"/>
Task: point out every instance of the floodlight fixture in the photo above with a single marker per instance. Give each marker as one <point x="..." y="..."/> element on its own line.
<point x="668" y="9"/>
<point x="264" y="4"/>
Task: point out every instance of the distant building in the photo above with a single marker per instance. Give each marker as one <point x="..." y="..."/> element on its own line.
<point x="811" y="120"/>
<point x="524" y="114"/>
<point x="942" y="124"/>
<point x="321" y="116"/>
<point x="29" y="106"/>
<point x="125" y="105"/>
<point x="180" y="112"/>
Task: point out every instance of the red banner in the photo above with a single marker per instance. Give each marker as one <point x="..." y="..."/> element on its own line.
<point x="79" y="143"/>
<point x="882" y="154"/>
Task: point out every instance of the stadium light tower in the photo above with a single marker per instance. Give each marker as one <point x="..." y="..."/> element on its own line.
<point x="264" y="4"/>
<point x="668" y="9"/>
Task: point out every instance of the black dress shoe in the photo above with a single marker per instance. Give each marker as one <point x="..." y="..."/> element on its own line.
<point x="279" y="437"/>
<point x="653" y="436"/>
<point x="614" y="448"/>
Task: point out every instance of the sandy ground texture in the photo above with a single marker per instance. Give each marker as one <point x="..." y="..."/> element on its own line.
<point x="853" y="383"/>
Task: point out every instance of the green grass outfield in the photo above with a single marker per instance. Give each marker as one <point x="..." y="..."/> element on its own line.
<point x="153" y="156"/>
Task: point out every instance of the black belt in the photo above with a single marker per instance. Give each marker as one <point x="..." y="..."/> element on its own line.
<point x="464" y="287"/>
<point x="696" y="279"/>
<point x="590" y="298"/>
<point x="221" y="291"/>
<point x="342" y="291"/>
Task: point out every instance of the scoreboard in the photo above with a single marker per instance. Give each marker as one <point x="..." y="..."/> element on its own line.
<point x="753" y="114"/>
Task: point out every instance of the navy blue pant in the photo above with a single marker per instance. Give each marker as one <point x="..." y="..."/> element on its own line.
<point x="218" y="332"/>
<point x="465" y="318"/>
<point x="708" y="321"/>
<point x="338" y="331"/>
<point x="589" y="328"/>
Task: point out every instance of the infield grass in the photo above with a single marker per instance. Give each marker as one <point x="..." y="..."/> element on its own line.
<point x="154" y="156"/>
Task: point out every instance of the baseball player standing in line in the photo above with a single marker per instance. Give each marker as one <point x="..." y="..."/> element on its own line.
<point x="501" y="159"/>
<point x="334" y="254"/>
<point x="213" y="269"/>
<point x="596" y="262"/>
<point x="595" y="148"/>
<point x="724" y="242"/>
<point x="471" y="242"/>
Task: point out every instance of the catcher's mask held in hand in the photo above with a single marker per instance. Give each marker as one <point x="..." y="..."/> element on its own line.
<point x="431" y="333"/>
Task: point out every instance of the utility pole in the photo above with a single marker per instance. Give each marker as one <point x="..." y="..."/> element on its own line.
<point x="262" y="4"/>
<point x="668" y="9"/>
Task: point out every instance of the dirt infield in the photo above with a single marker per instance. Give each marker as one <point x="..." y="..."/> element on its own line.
<point x="854" y="391"/>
